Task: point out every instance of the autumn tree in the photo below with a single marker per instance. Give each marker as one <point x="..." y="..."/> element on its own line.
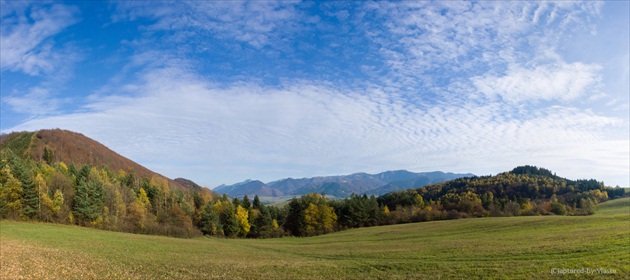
<point x="10" y="194"/>
<point x="242" y="215"/>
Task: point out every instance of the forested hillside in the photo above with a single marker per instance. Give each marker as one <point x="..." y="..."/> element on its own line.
<point x="526" y="190"/>
<point x="64" y="177"/>
<point x="52" y="188"/>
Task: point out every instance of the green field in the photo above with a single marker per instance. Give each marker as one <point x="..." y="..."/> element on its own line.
<point x="513" y="247"/>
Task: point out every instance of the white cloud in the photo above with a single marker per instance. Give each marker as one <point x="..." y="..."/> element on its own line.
<point x="560" y="81"/>
<point x="434" y="44"/>
<point x="25" y="44"/>
<point x="258" y="23"/>
<point x="437" y="100"/>
<point x="253" y="131"/>
<point x="37" y="102"/>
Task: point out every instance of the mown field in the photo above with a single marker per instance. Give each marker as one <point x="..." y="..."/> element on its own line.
<point x="486" y="248"/>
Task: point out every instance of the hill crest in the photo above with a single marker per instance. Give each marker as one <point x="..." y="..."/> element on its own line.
<point x="59" y="145"/>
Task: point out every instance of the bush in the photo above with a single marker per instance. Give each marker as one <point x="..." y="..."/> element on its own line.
<point x="558" y="208"/>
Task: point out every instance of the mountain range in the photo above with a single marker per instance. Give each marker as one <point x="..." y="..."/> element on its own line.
<point x="339" y="186"/>
<point x="72" y="147"/>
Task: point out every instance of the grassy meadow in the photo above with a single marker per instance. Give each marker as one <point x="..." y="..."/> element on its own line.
<point x="511" y="247"/>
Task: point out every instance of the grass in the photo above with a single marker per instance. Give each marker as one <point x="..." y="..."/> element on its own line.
<point x="487" y="248"/>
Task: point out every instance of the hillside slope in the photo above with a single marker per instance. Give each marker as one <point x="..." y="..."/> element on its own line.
<point x="64" y="177"/>
<point x="72" y="147"/>
<point x="456" y="249"/>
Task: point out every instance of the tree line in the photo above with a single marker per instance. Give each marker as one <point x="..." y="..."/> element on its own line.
<point x="97" y="197"/>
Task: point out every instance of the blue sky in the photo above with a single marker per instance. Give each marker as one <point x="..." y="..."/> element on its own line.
<point x="219" y="92"/>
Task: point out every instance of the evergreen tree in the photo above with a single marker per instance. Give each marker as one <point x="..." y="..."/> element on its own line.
<point x="30" y="195"/>
<point x="231" y="225"/>
<point x="88" y="201"/>
<point x="256" y="204"/>
<point x="262" y="226"/>
<point x="236" y="201"/>
<point x="246" y="203"/>
<point x="209" y="220"/>
<point x="49" y="156"/>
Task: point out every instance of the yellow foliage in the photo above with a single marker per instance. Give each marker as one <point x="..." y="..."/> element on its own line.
<point x="121" y="175"/>
<point x="63" y="168"/>
<point x="46" y="204"/>
<point x="311" y="216"/>
<point x="97" y="222"/>
<point x="218" y="206"/>
<point x="96" y="175"/>
<point x="599" y="195"/>
<point x="319" y="218"/>
<point x="57" y="201"/>
<point x="328" y="217"/>
<point x="143" y="199"/>
<point x="42" y="187"/>
<point x="242" y="216"/>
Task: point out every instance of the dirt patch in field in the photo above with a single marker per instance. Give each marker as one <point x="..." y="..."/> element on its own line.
<point x="25" y="261"/>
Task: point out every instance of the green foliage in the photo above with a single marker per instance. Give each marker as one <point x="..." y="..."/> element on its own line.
<point x="49" y="156"/>
<point x="558" y="208"/>
<point x="256" y="204"/>
<point x="532" y="170"/>
<point x="88" y="202"/>
<point x="457" y="249"/>
<point x="246" y="203"/>
<point x="262" y="225"/>
<point x="19" y="143"/>
<point x="124" y="201"/>
<point x="209" y="222"/>
<point x="227" y="217"/>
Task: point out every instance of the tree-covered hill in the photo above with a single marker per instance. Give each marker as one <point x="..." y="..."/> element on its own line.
<point x="64" y="177"/>
<point x="57" y="145"/>
<point x="44" y="177"/>
<point x="526" y="190"/>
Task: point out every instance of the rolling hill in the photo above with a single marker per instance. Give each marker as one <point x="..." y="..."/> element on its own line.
<point x="533" y="247"/>
<point x="72" y="147"/>
<point x="340" y="186"/>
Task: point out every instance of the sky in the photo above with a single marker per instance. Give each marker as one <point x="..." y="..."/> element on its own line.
<point x="219" y="92"/>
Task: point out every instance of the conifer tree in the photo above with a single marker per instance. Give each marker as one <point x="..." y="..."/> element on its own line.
<point x="256" y="204"/>
<point x="209" y="220"/>
<point x="246" y="203"/>
<point x="88" y="201"/>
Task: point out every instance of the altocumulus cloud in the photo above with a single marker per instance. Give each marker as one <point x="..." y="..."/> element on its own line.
<point x="291" y="130"/>
<point x="367" y="86"/>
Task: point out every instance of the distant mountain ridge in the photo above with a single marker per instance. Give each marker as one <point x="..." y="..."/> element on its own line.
<point x="340" y="186"/>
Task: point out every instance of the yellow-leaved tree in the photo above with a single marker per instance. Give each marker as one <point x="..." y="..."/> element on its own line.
<point x="242" y="215"/>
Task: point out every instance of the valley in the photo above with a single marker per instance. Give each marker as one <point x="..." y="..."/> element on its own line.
<point x="514" y="247"/>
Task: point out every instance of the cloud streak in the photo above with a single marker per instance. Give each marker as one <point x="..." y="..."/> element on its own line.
<point x="223" y="91"/>
<point x="25" y="44"/>
<point x="562" y="81"/>
<point x="295" y="129"/>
